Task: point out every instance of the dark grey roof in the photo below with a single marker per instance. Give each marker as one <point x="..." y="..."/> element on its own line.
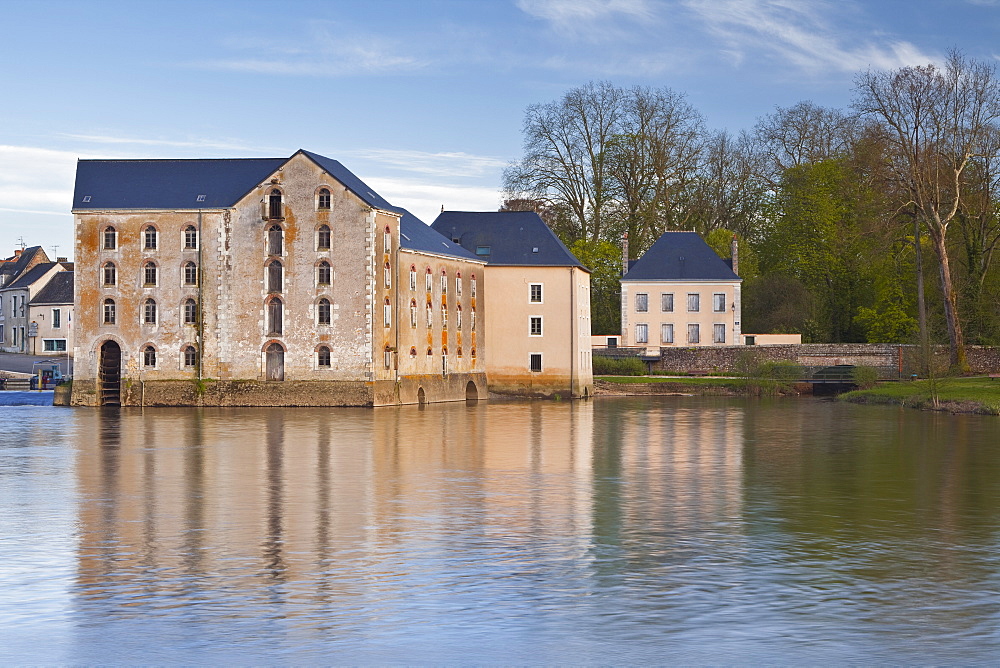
<point x="176" y="184"/>
<point x="512" y="237"/>
<point x="168" y="184"/>
<point x="32" y="275"/>
<point x="59" y="290"/>
<point x="416" y="235"/>
<point x="680" y="256"/>
<point x="14" y="268"/>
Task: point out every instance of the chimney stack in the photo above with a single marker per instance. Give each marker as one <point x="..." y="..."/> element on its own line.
<point x="624" y="253"/>
<point x="734" y="251"/>
<point x="17" y="252"/>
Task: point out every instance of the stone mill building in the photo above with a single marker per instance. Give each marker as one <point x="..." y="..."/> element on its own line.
<point x="265" y="282"/>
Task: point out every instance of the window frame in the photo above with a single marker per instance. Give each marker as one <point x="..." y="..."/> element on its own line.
<point x="324" y="312"/>
<point x="321" y="232"/>
<point x="150" y="238"/>
<point x="642" y="302"/>
<point x="532" y="357"/>
<point x="642" y="332"/>
<point x="535" y="326"/>
<point x="694" y="302"/>
<point x="110" y="240"/>
<point x="693" y="333"/>
<point x="150" y="313"/>
<point x="716" y="329"/>
<point x="190" y="238"/>
<point x="189" y="312"/>
<point x="719" y="305"/>
<point x="110" y="312"/>
<point x="150" y="269"/>
<point x="666" y="302"/>
<point x="531" y="293"/>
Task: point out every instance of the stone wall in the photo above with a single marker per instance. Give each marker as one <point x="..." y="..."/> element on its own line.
<point x="891" y="359"/>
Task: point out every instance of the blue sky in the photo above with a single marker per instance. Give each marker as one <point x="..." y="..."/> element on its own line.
<point x="423" y="100"/>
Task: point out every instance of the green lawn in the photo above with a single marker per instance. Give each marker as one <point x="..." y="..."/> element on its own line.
<point x="967" y="395"/>
<point x="697" y="381"/>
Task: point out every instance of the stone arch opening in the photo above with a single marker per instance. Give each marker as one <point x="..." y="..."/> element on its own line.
<point x="471" y="393"/>
<point x="421" y="396"/>
<point x="110" y="374"/>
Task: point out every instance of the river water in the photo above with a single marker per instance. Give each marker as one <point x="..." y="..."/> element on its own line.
<point x="677" y="530"/>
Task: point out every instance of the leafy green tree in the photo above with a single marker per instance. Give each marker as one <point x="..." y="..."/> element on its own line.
<point x="604" y="261"/>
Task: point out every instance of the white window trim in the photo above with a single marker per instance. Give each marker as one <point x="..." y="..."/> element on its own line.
<point x="541" y="326"/>
<point x="715" y="296"/>
<point x="541" y="360"/>
<point x="644" y="326"/>
<point x="541" y="293"/>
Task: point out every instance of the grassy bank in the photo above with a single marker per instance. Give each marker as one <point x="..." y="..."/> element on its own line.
<point x="688" y="385"/>
<point x="958" y="395"/>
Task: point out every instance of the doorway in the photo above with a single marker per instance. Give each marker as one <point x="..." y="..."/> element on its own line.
<point x="109" y="374"/>
<point x="274" y="356"/>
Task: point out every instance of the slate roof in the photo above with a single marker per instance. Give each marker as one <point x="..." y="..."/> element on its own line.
<point x="176" y="184"/>
<point x="416" y="235"/>
<point x="678" y="256"/>
<point x="14" y="268"/>
<point x="59" y="290"/>
<point x="515" y="238"/>
<point x="32" y="275"/>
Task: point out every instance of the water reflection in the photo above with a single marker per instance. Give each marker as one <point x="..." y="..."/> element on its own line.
<point x="638" y="530"/>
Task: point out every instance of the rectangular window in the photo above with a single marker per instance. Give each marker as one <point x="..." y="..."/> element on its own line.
<point x="444" y="284"/>
<point x="641" y="302"/>
<point x="535" y="293"/>
<point x="694" y="302"/>
<point x="667" y="302"/>
<point x="719" y="303"/>
<point x="2" y="340"/>
<point x="718" y="333"/>
<point x="56" y="318"/>
<point x="535" y="325"/>
<point x="535" y="362"/>
<point x="666" y="333"/>
<point x="642" y="333"/>
<point x="694" y="336"/>
<point x="413" y="280"/>
<point x="54" y="345"/>
<point x="458" y="286"/>
<point x="482" y="250"/>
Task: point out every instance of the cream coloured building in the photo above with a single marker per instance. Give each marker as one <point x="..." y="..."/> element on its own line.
<point x="538" y="328"/>
<point x="680" y="293"/>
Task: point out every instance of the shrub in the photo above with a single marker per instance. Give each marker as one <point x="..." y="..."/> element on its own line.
<point x="865" y="377"/>
<point x="625" y="366"/>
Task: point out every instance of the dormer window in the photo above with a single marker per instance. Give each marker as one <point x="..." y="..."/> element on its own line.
<point x="483" y="250"/>
<point x="200" y="198"/>
<point x="274" y="204"/>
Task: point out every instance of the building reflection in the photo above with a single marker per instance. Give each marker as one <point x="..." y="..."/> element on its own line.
<point x="336" y="509"/>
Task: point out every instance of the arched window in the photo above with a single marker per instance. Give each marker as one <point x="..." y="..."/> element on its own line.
<point x="110" y="238"/>
<point x="387" y="278"/>
<point x="190" y="273"/>
<point x="323" y="314"/>
<point x="444" y="282"/>
<point x="149" y="238"/>
<point x="413" y="313"/>
<point x="430" y="315"/>
<point x="323" y="237"/>
<point x="458" y="284"/>
<point x="149" y="312"/>
<point x="109" y="311"/>
<point x="323" y="199"/>
<point x="110" y="273"/>
<point x="460" y="351"/>
<point x="387" y="313"/>
<point x="413" y="277"/>
<point x="149" y="274"/>
<point x="275" y="240"/>
<point x="429" y="351"/>
<point x="413" y="353"/>
<point x="444" y="316"/>
<point x="324" y="273"/>
<point x="428" y="279"/>
<point x="387" y="357"/>
<point x="458" y="317"/>
<point x="473" y="353"/>
<point x="472" y="286"/>
<point x="149" y="357"/>
<point x="275" y="271"/>
<point x="190" y="356"/>
<point x="387" y="239"/>
<point x="472" y="320"/>
<point x="190" y="238"/>
<point x="189" y="311"/>
<point x="323" y="357"/>
<point x="274" y="204"/>
<point x="275" y="314"/>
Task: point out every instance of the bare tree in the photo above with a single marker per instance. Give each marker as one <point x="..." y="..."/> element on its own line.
<point x="938" y="120"/>
<point x="801" y="134"/>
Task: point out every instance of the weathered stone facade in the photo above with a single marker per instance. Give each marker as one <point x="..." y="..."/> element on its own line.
<point x="296" y="294"/>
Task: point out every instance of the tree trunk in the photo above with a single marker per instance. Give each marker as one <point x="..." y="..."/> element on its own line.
<point x="925" y="349"/>
<point x="958" y="360"/>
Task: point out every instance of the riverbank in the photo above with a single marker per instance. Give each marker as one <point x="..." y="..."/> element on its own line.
<point x="980" y="395"/>
<point x="684" y="385"/>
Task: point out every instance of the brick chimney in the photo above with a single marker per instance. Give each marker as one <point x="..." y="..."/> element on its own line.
<point x="734" y="253"/>
<point x="17" y="252"/>
<point x="624" y="253"/>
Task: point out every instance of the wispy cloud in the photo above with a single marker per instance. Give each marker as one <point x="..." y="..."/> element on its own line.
<point x="425" y="200"/>
<point x="327" y="50"/>
<point x="140" y="141"/>
<point x="593" y="20"/>
<point x="440" y="165"/>
<point x="802" y="33"/>
<point x="36" y="180"/>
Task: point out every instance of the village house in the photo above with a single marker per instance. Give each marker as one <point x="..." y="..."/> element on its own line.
<point x="680" y="293"/>
<point x="50" y="313"/>
<point x="22" y="279"/>
<point x="274" y="281"/>
<point x="538" y="331"/>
